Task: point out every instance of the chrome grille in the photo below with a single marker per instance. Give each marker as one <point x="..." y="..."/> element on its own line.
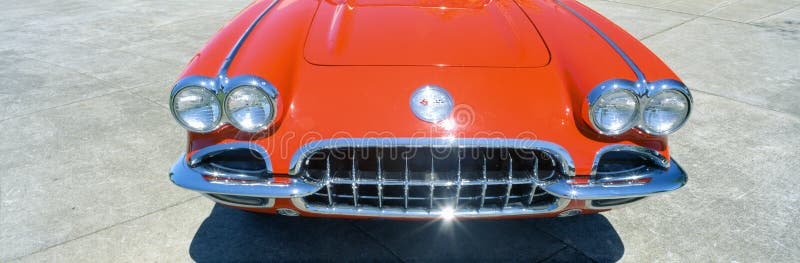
<point x="466" y="180"/>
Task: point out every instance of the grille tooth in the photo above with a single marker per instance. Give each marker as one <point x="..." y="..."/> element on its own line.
<point x="405" y="184"/>
<point x="484" y="185"/>
<point x="380" y="179"/>
<point x="428" y="179"/>
<point x="510" y="180"/>
<point x="535" y="181"/>
<point x="458" y="182"/>
<point x="432" y="174"/>
<point x="328" y="185"/>
<point x="354" y="178"/>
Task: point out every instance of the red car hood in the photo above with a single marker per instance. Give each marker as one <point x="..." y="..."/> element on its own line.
<point x="367" y="32"/>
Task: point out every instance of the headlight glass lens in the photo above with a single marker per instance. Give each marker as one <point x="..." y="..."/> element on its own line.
<point x="665" y="112"/>
<point x="615" y="111"/>
<point x="197" y="109"/>
<point x="249" y="108"/>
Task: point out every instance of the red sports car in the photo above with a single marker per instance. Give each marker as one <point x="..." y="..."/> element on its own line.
<point x="426" y="109"/>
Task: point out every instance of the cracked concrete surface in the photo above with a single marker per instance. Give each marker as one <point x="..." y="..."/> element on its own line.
<point x="88" y="140"/>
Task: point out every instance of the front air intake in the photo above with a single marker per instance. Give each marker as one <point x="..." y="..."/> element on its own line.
<point x="232" y="163"/>
<point x="431" y="179"/>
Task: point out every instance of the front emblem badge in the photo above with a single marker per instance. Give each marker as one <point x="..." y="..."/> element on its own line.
<point x="431" y="103"/>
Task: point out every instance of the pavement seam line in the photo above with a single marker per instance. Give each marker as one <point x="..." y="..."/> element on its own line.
<point x="548" y="257"/>
<point x="146" y="98"/>
<point x="108" y="227"/>
<point x="565" y="243"/>
<point x="72" y="70"/>
<point x="670" y="28"/>
<point x="791" y="115"/>
<point x="685" y="13"/>
<point x="64" y="105"/>
<point x="693" y="19"/>
<point x="378" y="241"/>
<point x="119" y="88"/>
<point x="774" y="14"/>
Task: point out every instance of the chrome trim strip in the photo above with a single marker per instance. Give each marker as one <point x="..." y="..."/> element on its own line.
<point x="563" y="156"/>
<point x="560" y="204"/>
<point x="639" y="75"/>
<point x="662" y="181"/>
<point x="270" y="202"/>
<point x="223" y="70"/>
<point x="184" y="176"/>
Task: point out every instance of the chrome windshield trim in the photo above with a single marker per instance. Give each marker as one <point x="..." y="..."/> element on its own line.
<point x="303" y="153"/>
<point x="639" y="75"/>
<point x="223" y="70"/>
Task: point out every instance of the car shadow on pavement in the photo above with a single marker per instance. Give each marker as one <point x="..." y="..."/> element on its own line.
<point x="230" y="234"/>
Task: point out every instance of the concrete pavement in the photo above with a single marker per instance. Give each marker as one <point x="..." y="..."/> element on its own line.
<point x="87" y="141"/>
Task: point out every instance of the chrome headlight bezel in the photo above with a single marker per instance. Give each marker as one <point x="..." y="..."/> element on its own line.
<point x="658" y="88"/>
<point x="220" y="88"/>
<point x="209" y="85"/>
<point x="645" y="92"/>
<point x="605" y="89"/>
<point x="264" y="87"/>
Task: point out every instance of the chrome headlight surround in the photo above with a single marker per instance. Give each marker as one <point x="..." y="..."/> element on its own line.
<point x="614" y="86"/>
<point x="208" y="85"/>
<point x="645" y="93"/>
<point x="265" y="89"/>
<point x="658" y="88"/>
<point x="221" y="91"/>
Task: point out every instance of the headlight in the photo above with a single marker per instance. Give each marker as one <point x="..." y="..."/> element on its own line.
<point x="197" y="109"/>
<point x="614" y="112"/>
<point x="249" y="108"/>
<point x="665" y="112"/>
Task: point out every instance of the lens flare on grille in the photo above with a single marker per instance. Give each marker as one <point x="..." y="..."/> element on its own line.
<point x="448" y="213"/>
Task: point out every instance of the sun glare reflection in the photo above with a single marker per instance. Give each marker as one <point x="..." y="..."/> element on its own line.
<point x="448" y="214"/>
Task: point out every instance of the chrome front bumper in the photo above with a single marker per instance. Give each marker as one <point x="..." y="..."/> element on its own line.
<point x="184" y="176"/>
<point x="660" y="181"/>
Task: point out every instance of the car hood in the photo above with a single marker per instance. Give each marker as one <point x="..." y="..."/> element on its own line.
<point x="529" y="91"/>
<point x="475" y="33"/>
